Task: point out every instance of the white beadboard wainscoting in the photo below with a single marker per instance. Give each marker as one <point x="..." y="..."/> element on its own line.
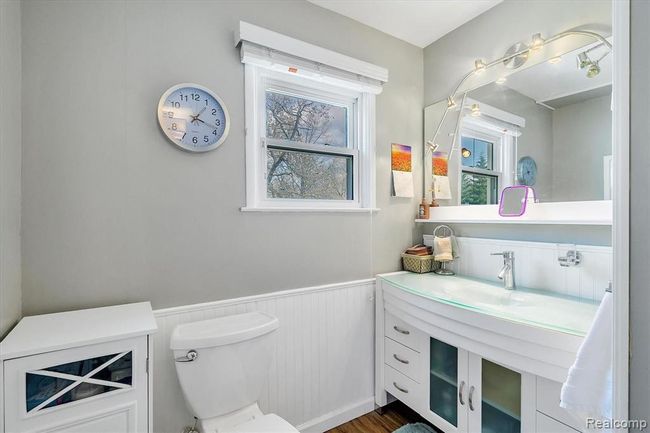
<point x="536" y="265"/>
<point x="323" y="370"/>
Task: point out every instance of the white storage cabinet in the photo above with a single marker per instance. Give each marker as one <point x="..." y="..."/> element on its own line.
<point x="79" y="372"/>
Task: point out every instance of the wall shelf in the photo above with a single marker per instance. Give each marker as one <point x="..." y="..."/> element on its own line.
<point x="592" y="213"/>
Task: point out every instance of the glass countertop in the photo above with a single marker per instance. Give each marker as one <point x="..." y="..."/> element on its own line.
<point x="538" y="308"/>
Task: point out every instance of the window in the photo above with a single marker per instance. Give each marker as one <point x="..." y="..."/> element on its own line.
<point x="310" y="145"/>
<point x="310" y="125"/>
<point x="480" y="171"/>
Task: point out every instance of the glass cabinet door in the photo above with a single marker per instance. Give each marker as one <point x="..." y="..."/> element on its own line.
<point x="443" y="377"/>
<point x="500" y="399"/>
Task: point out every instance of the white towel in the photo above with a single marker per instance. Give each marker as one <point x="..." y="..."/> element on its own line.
<point x="445" y="249"/>
<point x="587" y="391"/>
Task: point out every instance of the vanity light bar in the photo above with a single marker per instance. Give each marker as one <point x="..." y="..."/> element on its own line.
<point x="537" y="42"/>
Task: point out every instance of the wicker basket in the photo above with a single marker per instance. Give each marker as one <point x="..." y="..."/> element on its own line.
<point x="419" y="264"/>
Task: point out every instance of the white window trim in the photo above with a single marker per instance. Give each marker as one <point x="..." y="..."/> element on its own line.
<point x="498" y="154"/>
<point x="281" y="68"/>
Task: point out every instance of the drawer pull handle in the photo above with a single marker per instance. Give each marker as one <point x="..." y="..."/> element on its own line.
<point x="460" y="393"/>
<point x="471" y="400"/>
<point x="403" y="361"/>
<point x="405" y="391"/>
<point x="400" y="330"/>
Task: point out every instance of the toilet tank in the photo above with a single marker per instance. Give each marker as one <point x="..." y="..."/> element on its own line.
<point x="231" y="368"/>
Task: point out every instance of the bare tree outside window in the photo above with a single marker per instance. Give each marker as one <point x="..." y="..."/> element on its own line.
<point x="295" y="173"/>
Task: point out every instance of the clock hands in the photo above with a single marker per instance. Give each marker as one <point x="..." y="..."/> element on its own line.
<point x="207" y="124"/>
<point x="195" y="118"/>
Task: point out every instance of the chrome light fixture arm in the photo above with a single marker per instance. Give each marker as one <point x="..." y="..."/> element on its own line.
<point x="538" y="42"/>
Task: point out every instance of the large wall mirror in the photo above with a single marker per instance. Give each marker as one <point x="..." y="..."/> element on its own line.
<point x="546" y="124"/>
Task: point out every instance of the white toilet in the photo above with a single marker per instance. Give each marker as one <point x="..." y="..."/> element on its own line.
<point x="222" y="365"/>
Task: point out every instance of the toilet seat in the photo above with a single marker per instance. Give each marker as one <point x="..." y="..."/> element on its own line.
<point x="270" y="423"/>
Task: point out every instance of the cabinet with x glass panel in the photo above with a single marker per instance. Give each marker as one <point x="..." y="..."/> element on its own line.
<point x="79" y="371"/>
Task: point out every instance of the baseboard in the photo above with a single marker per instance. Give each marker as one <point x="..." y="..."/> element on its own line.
<point x="338" y="417"/>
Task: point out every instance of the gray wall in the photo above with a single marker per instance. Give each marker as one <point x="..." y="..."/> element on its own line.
<point x="113" y="213"/>
<point x="488" y="36"/>
<point x="640" y="212"/>
<point x="582" y="136"/>
<point x="10" y="139"/>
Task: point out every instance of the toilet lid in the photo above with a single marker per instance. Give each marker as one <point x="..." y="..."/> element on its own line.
<point x="270" y="423"/>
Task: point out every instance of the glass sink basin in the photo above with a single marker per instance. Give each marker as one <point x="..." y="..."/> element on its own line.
<point x="527" y="306"/>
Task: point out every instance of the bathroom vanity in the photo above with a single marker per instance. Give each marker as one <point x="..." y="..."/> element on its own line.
<point x="470" y="356"/>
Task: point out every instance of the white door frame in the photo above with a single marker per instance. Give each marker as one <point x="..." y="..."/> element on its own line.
<point x="621" y="203"/>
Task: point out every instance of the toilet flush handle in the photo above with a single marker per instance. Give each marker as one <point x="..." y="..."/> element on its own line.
<point x="189" y="356"/>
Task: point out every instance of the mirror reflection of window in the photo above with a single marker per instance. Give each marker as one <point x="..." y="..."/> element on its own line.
<point x="480" y="175"/>
<point x="477" y="153"/>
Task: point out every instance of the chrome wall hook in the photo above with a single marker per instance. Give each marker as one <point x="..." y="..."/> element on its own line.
<point x="572" y="258"/>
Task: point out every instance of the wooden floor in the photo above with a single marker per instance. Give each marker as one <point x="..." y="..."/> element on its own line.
<point x="395" y="415"/>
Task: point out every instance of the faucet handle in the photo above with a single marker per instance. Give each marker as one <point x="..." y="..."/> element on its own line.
<point x="505" y="254"/>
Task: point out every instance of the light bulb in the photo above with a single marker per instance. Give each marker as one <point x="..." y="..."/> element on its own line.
<point x="583" y="60"/>
<point x="537" y="42"/>
<point x="479" y="66"/>
<point x="593" y="70"/>
<point x="432" y="146"/>
<point x="476" y="110"/>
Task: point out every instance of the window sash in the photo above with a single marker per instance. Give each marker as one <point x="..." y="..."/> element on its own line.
<point x="350" y="175"/>
<point x="271" y="143"/>
<point x="349" y="100"/>
<point x="491" y="176"/>
<point x="344" y="99"/>
<point x="308" y="147"/>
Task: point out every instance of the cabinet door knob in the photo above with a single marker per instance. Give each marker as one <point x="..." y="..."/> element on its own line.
<point x="471" y="398"/>
<point x="460" y="393"/>
<point x="405" y="391"/>
<point x="400" y="330"/>
<point x="403" y="361"/>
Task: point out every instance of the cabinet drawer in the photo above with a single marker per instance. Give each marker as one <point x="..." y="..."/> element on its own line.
<point x="401" y="358"/>
<point x="545" y="424"/>
<point x="548" y="402"/>
<point x="403" y="388"/>
<point x="398" y="330"/>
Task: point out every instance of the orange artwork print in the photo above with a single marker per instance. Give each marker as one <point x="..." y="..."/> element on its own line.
<point x="400" y="157"/>
<point x="440" y="164"/>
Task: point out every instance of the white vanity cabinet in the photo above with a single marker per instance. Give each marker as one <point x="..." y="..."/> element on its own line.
<point x="455" y="389"/>
<point x="464" y="374"/>
<point x="81" y="371"/>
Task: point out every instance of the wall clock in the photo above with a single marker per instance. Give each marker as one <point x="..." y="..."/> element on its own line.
<point x="193" y="117"/>
<point x="526" y="171"/>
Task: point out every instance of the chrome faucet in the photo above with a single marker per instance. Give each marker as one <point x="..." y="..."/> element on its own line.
<point x="507" y="273"/>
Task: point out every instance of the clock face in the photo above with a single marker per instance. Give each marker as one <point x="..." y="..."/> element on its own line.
<point x="193" y="117"/>
<point x="526" y="171"/>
